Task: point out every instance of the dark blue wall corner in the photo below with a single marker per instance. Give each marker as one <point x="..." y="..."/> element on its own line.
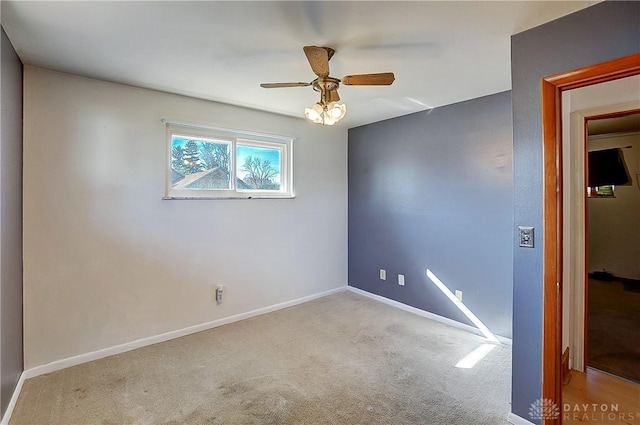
<point x="11" y="343"/>
<point x="434" y="190"/>
<point x="602" y="32"/>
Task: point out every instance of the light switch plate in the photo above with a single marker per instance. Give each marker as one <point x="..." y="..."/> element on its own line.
<point x="525" y="236"/>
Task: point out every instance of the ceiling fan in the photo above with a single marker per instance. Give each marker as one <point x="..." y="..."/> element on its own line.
<point x="328" y="111"/>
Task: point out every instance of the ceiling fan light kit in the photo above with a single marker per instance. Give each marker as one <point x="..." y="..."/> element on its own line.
<point x="326" y="114"/>
<point x="328" y="111"/>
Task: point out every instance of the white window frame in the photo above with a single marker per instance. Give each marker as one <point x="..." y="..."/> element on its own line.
<point x="234" y="138"/>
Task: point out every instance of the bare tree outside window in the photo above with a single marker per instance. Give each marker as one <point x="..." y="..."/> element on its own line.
<point x="260" y="173"/>
<point x="215" y="155"/>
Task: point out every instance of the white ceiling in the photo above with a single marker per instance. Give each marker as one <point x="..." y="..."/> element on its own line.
<point x="441" y="52"/>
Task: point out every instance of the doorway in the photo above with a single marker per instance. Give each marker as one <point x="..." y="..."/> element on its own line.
<point x="599" y="108"/>
<point x="552" y="89"/>
<point x="608" y="112"/>
<point x="600" y="119"/>
<point x="613" y="241"/>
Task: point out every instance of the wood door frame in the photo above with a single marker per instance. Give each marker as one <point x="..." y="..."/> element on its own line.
<point x="552" y="88"/>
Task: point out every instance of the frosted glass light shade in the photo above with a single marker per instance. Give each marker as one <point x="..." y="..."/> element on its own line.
<point x="325" y="114"/>
<point x="336" y="110"/>
<point x="314" y="113"/>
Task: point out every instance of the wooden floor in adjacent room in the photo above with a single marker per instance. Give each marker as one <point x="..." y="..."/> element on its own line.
<point x="596" y="397"/>
<point x="612" y="327"/>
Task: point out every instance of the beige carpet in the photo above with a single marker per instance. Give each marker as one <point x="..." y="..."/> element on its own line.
<point x="344" y="359"/>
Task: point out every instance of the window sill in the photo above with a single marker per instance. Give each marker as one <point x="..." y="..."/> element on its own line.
<point x="215" y="198"/>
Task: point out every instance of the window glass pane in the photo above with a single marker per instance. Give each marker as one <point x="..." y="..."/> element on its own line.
<point x="258" y="168"/>
<point x="601" y="192"/>
<point x="198" y="163"/>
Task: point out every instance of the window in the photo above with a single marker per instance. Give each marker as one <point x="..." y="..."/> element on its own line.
<point x="601" y="192"/>
<point x="208" y="162"/>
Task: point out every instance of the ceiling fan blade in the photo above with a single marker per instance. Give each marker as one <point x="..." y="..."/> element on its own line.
<point x="381" y="79"/>
<point x="279" y="85"/>
<point x="333" y="96"/>
<point x="318" y="58"/>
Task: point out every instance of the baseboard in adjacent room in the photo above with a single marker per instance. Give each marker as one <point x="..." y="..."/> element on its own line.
<point x="14" y="399"/>
<point x="428" y="315"/>
<point x="514" y="419"/>
<point x="122" y="348"/>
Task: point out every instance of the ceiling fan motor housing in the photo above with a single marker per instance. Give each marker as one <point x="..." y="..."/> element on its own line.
<point x="325" y="83"/>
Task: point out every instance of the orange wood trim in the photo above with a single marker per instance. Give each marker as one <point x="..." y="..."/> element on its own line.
<point x="585" y="300"/>
<point x="552" y="88"/>
<point x="617" y="114"/>
<point x="565" y="367"/>
<point x="598" y="73"/>
<point x="552" y="169"/>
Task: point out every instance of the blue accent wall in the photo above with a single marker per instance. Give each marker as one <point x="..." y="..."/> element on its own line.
<point x="596" y="34"/>
<point x="11" y="364"/>
<point x="434" y="190"/>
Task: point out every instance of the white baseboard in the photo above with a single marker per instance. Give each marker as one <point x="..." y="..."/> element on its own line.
<point x="426" y="314"/>
<point x="514" y="419"/>
<point x="14" y="399"/>
<point x="110" y="351"/>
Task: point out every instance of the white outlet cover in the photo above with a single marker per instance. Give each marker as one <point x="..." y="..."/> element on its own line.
<point x="401" y="279"/>
<point x="383" y="274"/>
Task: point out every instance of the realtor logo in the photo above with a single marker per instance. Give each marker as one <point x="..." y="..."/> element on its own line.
<point x="544" y="409"/>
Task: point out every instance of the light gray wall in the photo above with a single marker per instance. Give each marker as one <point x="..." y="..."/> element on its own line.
<point x="11" y="222"/>
<point x="598" y="33"/>
<point x="107" y="261"/>
<point x="434" y="190"/>
<point x="614" y="223"/>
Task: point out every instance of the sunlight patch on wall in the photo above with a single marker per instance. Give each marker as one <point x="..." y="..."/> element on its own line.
<point x="463" y="308"/>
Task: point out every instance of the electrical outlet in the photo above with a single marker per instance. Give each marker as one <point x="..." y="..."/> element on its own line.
<point x="383" y="274"/>
<point x="401" y="279"/>
<point x="219" y="293"/>
<point x="459" y="294"/>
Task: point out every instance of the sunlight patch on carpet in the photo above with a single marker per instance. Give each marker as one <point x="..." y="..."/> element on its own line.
<point x="471" y="359"/>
